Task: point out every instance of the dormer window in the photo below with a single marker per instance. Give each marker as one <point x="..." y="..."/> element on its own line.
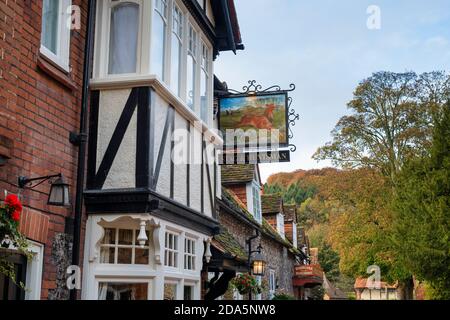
<point x="123" y="43"/>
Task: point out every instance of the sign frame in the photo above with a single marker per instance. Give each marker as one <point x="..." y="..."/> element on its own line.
<point x="283" y="93"/>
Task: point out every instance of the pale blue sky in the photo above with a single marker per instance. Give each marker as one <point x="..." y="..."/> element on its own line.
<point x="325" y="48"/>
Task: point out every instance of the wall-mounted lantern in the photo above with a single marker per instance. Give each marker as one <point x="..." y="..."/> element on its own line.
<point x="258" y="264"/>
<point x="59" y="190"/>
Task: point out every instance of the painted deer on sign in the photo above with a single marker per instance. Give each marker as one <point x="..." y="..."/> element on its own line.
<point x="259" y="122"/>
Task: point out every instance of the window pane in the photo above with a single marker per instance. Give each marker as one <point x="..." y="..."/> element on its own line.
<point x="124" y="38"/>
<point x="122" y="291"/>
<point x="170" y="291"/>
<point x="107" y="255"/>
<point x="188" y="293"/>
<point x="141" y="256"/>
<point x="190" y="82"/>
<point x="50" y="24"/>
<point x="124" y="256"/>
<point x="204" y="96"/>
<point x="125" y="237"/>
<point x="110" y="236"/>
<point x="175" y="65"/>
<point x="159" y="39"/>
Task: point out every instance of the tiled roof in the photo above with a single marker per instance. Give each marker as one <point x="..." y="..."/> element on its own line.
<point x="225" y="242"/>
<point x="290" y="212"/>
<point x="233" y="201"/>
<point x="240" y="173"/>
<point x="361" y="283"/>
<point x="236" y="204"/>
<point x="271" y="203"/>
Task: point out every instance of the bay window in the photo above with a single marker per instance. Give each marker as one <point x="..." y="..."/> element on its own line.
<point x="191" y="67"/>
<point x="55" y="32"/>
<point x="154" y="38"/>
<point x="160" y="22"/>
<point x="123" y="45"/>
<point x="176" y="49"/>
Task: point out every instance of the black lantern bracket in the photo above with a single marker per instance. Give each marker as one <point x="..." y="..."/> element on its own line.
<point x="59" y="190"/>
<point x="31" y="183"/>
<point x="253" y="88"/>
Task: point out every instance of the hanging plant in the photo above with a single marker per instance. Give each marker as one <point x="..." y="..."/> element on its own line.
<point x="246" y="283"/>
<point x="10" y="236"/>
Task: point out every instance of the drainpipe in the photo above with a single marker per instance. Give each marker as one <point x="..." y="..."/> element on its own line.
<point x="81" y="141"/>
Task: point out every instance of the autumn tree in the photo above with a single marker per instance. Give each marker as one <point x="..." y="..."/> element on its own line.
<point x="389" y="121"/>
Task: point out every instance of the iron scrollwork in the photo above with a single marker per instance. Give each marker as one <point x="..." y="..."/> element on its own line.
<point x="253" y="88"/>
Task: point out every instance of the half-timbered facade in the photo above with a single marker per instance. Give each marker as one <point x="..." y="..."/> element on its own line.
<point x="152" y="176"/>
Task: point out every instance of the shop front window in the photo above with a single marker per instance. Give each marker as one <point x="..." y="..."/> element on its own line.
<point x="123" y="291"/>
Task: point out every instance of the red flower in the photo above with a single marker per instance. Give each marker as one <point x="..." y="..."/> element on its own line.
<point x="16" y="215"/>
<point x="13" y="201"/>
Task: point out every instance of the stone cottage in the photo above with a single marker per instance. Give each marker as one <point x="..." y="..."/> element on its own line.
<point x="241" y="218"/>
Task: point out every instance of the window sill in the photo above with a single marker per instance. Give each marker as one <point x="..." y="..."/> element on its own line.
<point x="55" y="72"/>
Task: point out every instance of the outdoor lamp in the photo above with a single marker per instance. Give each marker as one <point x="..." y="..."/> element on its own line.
<point x="59" y="193"/>
<point x="258" y="264"/>
<point x="59" y="189"/>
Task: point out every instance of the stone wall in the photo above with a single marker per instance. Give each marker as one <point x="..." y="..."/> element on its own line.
<point x="277" y="256"/>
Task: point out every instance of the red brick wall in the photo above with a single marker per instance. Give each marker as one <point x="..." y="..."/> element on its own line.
<point x="37" y="112"/>
<point x="240" y="191"/>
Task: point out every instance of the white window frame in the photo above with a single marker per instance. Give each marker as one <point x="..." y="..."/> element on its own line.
<point x="294" y="235"/>
<point x="272" y="284"/>
<point x="133" y="248"/>
<point x="280" y="225"/>
<point x="62" y="56"/>
<point x="253" y="191"/>
<point x="176" y="252"/>
<point x="190" y="255"/>
<point x="103" y="37"/>
<point x="207" y="68"/>
<point x="125" y="280"/>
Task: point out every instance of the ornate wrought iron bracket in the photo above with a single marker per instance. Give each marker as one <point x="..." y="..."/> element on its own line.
<point x="254" y="88"/>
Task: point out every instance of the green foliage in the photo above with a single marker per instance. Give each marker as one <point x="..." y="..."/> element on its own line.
<point x="283" y="296"/>
<point x="317" y="293"/>
<point x="293" y="194"/>
<point x="422" y="207"/>
<point x="246" y="283"/>
<point x="329" y="261"/>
